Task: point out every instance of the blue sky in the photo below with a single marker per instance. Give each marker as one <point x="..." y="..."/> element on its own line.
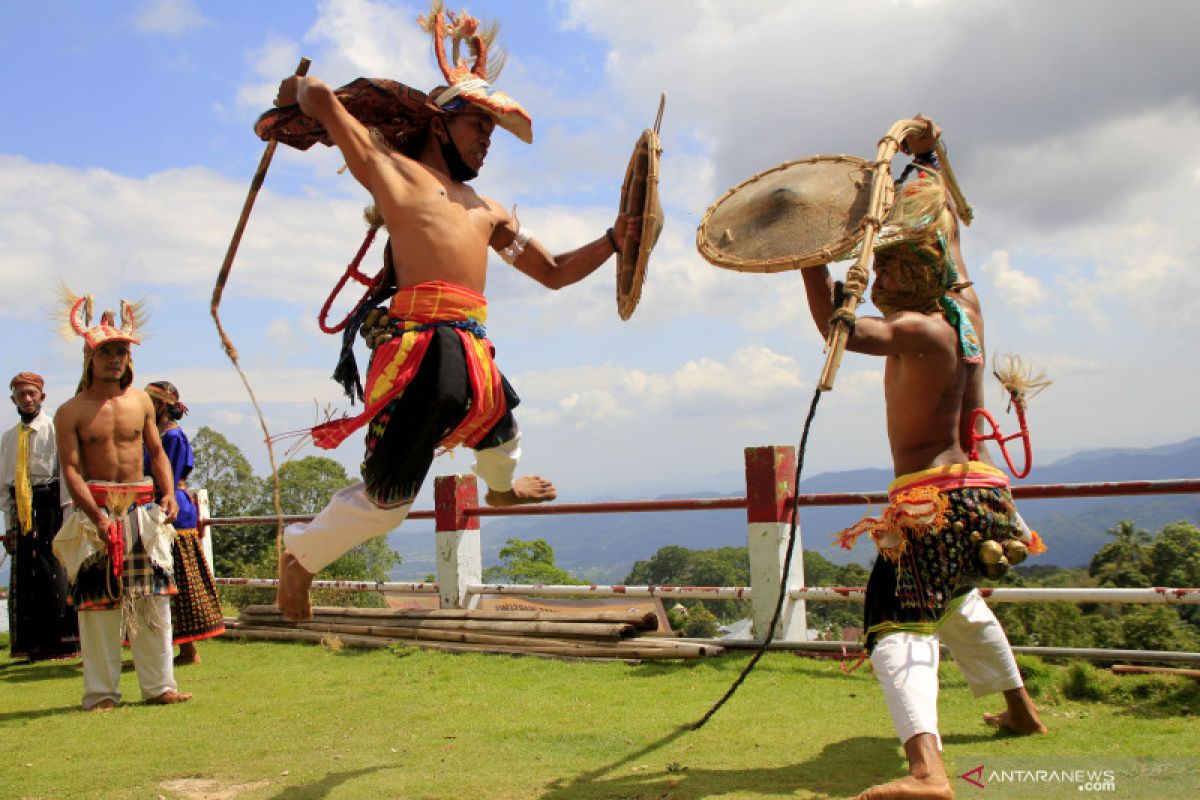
<point x="128" y="151"/>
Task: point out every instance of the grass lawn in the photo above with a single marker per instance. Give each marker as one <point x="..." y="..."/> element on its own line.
<point x="283" y="720"/>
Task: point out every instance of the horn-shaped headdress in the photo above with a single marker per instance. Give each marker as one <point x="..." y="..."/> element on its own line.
<point x="472" y="84"/>
<point x="77" y="318"/>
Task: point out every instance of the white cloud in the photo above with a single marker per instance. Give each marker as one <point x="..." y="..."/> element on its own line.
<point x="170" y="17"/>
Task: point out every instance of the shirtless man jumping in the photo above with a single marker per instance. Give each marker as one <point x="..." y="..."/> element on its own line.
<point x="116" y="545"/>
<point x="432" y="381"/>
<point x="921" y="587"/>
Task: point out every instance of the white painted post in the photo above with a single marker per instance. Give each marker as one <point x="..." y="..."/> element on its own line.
<point x="459" y="557"/>
<point x="203" y="528"/>
<point x="769" y="475"/>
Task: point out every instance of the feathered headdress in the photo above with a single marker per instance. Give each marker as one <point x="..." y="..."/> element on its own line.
<point x="76" y="316"/>
<point x="472" y="84"/>
<point x="77" y="312"/>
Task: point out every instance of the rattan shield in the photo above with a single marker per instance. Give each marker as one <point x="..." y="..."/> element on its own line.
<point x="798" y="214"/>
<point x="639" y="197"/>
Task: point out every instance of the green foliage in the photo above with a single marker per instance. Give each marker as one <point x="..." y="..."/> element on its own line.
<point x="1124" y="561"/>
<point x="679" y="566"/>
<point x="305" y="486"/>
<point x="831" y="618"/>
<point x="233" y="491"/>
<point x="528" y="562"/>
<point x="1037" y="674"/>
<point x="1085" y="682"/>
<point x="700" y="623"/>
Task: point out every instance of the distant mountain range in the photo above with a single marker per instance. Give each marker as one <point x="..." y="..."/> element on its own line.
<point x="603" y="547"/>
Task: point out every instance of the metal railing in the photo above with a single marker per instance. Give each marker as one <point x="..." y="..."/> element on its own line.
<point x="768" y="503"/>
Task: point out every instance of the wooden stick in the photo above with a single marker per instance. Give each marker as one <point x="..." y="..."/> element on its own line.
<point x="1125" y="669"/>
<point x="223" y="276"/>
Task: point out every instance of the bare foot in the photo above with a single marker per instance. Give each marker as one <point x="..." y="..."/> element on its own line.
<point x="1019" y="717"/>
<point x="292" y="596"/>
<point x="933" y="787"/>
<point x="529" y="489"/>
<point x="187" y="655"/>
<point x="168" y="698"/>
<point x="1018" y="723"/>
<point x="107" y="704"/>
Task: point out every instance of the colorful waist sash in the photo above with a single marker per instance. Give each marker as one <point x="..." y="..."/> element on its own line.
<point x="416" y="312"/>
<point x="917" y="505"/>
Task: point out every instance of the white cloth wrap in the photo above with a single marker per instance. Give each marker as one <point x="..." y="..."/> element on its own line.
<point x="78" y="540"/>
<point x="906" y="665"/>
<point x="516" y="246"/>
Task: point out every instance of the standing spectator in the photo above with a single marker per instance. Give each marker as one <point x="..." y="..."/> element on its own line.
<point x="196" y="609"/>
<point x="41" y="622"/>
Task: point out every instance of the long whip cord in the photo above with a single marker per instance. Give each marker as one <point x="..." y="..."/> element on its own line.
<point x="787" y="563"/>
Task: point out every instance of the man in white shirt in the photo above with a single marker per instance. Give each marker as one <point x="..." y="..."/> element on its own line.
<point x="42" y="624"/>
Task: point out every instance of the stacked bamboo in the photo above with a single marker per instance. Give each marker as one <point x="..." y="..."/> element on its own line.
<point x="586" y="635"/>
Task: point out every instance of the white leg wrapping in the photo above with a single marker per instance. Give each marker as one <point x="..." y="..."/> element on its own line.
<point x="150" y="644"/>
<point x="906" y="665"/>
<point x="977" y="643"/>
<point x="100" y="646"/>
<point x="349" y="520"/>
<point x="497" y="465"/>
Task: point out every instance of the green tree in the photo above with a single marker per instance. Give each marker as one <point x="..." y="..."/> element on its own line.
<point x="1175" y="562"/>
<point x="1124" y="562"/>
<point x="233" y="491"/>
<point x="528" y="562"/>
<point x="678" y="566"/>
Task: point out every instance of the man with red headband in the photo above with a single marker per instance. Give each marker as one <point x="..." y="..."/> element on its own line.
<point x="41" y="622"/>
<point x="945" y="509"/>
<point x="116" y="545"/>
<point x="432" y="381"/>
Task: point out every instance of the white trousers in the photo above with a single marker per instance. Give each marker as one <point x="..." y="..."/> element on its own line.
<point x="100" y="637"/>
<point x="906" y="665"/>
<point x="351" y="518"/>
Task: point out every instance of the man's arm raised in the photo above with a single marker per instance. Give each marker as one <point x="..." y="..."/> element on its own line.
<point x="317" y="100"/>
<point x="873" y="336"/>
<point x="556" y="271"/>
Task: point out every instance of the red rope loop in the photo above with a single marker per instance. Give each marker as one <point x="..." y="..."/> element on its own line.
<point x="351" y="272"/>
<point x="1001" y="440"/>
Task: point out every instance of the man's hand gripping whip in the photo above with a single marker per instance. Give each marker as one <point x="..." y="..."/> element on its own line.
<point x="231" y="351"/>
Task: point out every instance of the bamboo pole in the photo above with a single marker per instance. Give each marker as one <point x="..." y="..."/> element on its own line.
<point x="883" y="190"/>
<point x="642" y="621"/>
<point x="619" y="650"/>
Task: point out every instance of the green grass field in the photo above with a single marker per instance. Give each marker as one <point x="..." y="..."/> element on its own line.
<point x="282" y="720"/>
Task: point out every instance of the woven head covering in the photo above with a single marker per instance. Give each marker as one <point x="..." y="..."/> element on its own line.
<point x="913" y="249"/>
<point x="77" y="314"/>
<point x="27" y="379"/>
<point x="471" y="86"/>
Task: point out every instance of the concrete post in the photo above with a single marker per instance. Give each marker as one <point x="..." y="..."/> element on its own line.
<point x="769" y="475"/>
<point x="459" y="557"/>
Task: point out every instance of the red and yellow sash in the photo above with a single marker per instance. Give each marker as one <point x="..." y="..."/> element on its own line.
<point x="418" y="309"/>
<point x="917" y="504"/>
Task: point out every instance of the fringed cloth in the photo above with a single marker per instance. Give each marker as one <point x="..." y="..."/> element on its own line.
<point x="928" y="540"/>
<point x="415" y="312"/>
<point x="196" y="608"/>
<point x="129" y="562"/>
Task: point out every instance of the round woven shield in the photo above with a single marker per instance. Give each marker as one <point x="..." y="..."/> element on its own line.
<point x="799" y="214"/>
<point x="639" y="197"/>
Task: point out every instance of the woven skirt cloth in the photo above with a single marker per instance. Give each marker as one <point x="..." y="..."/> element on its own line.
<point x="196" y="609"/>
